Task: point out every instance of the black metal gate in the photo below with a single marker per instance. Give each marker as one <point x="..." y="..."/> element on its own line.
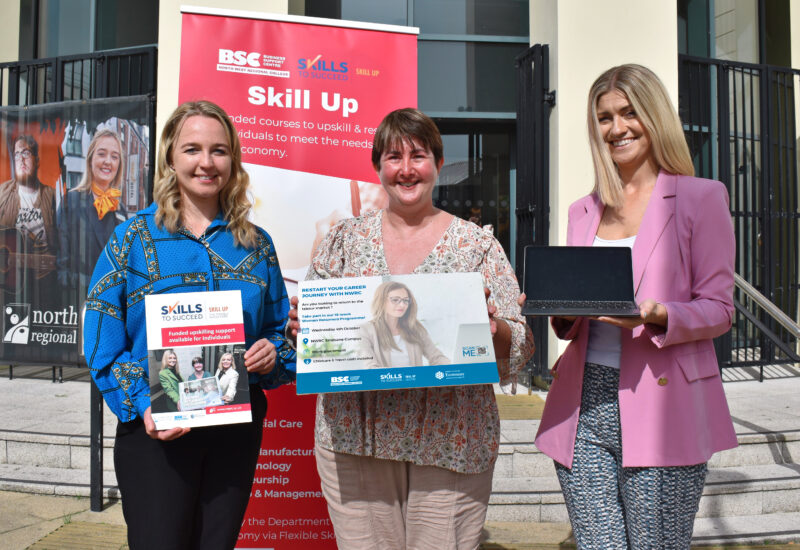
<point x="741" y="125"/>
<point x="534" y="102"/>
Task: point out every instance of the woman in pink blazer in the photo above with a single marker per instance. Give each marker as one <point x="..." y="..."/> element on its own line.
<point x="636" y="407"/>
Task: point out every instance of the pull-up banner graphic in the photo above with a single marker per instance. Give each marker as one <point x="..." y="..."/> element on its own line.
<point x="306" y="96"/>
<point x="51" y="232"/>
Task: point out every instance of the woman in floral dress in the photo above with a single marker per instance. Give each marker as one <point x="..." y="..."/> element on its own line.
<point x="412" y="468"/>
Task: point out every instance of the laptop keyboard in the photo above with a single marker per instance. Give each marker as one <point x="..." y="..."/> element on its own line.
<point x="578" y="304"/>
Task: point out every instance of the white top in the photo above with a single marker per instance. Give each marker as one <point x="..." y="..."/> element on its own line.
<point x="399" y="358"/>
<point x="29" y="218"/>
<point x="604" y="347"/>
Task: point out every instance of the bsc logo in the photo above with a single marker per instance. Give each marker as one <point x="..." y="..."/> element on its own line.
<point x="439" y="375"/>
<point x="16" y="323"/>
<point x="241" y="58"/>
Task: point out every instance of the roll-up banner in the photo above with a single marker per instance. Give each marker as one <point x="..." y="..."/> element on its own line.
<point x="306" y="96"/>
<point x="51" y="231"/>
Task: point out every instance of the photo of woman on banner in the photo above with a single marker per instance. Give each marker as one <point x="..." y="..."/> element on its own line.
<point x="89" y="213"/>
<point x="412" y="468"/>
<point x="182" y="487"/>
<point x="169" y="377"/>
<point x="394" y="337"/>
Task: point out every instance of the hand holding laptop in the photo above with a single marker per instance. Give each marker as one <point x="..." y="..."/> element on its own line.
<point x="651" y="312"/>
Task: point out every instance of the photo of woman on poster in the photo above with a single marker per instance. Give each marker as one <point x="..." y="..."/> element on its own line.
<point x="170" y="377"/>
<point x="227" y="376"/>
<point x="394" y="337"/>
<point x="89" y="213"/>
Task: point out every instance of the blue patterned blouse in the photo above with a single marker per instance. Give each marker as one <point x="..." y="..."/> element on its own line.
<point x="140" y="259"/>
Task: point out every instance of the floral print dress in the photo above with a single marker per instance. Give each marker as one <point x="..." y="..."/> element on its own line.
<point x="458" y="427"/>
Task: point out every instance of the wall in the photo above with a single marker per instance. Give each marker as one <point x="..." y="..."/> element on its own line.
<point x="9" y="30"/>
<point x="169" y="44"/>
<point x="587" y="37"/>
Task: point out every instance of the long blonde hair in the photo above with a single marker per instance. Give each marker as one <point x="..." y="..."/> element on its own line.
<point x="410" y="329"/>
<point x="654" y="110"/>
<point x="233" y="199"/>
<point x="85" y="184"/>
<point x="164" y="365"/>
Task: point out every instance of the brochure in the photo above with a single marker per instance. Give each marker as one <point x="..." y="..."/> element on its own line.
<point x="196" y="348"/>
<point x="404" y="331"/>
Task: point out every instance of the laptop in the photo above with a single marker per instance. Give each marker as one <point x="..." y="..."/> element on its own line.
<point x="579" y="281"/>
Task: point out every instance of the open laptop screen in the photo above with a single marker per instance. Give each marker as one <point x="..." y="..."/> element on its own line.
<point x="578" y="273"/>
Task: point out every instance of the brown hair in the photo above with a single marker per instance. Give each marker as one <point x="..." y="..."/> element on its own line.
<point x="406" y="125"/>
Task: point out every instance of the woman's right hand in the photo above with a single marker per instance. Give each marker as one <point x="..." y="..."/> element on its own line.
<point x="163" y="435"/>
<point x="294" y="323"/>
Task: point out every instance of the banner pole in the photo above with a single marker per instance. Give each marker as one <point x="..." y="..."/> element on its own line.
<point x="96" y="449"/>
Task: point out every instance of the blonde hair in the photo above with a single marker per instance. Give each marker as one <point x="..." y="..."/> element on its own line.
<point x="85" y="184"/>
<point x="653" y="109"/>
<point x="164" y="364"/>
<point x="221" y="357"/>
<point x="410" y="329"/>
<point x="233" y="199"/>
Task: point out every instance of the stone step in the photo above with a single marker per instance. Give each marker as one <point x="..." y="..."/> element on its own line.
<point x="756" y="529"/>
<point x="742" y="530"/>
<point x="519" y="457"/>
<point x="51" y="450"/>
<point x="729" y="492"/>
<point x="46" y="480"/>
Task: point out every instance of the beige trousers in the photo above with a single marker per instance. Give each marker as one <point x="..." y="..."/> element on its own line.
<point x="377" y="504"/>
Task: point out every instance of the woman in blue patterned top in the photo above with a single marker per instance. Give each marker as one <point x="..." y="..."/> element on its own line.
<point x="182" y="488"/>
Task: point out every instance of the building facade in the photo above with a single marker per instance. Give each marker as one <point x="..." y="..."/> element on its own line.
<point x="466" y="72"/>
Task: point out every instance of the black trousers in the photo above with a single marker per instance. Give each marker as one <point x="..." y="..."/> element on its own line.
<point x="192" y="492"/>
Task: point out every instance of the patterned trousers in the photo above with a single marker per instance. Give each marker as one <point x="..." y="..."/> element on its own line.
<point x="615" y="508"/>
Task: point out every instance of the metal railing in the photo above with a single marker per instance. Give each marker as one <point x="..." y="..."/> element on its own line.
<point x="103" y="74"/>
<point x="535" y="100"/>
<point x="108" y="73"/>
<point x="741" y="123"/>
<point x="749" y="302"/>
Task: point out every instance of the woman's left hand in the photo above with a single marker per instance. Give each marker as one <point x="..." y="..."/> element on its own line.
<point x="501" y="332"/>
<point x="260" y="358"/>
<point x="650" y="311"/>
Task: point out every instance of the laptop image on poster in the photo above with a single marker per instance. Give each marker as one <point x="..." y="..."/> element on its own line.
<point x="579" y="281"/>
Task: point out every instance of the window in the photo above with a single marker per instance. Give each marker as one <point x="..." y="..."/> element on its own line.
<point x="750" y="31"/>
<point x="74" y="140"/>
<point x="467" y="83"/>
<point x="51" y="28"/>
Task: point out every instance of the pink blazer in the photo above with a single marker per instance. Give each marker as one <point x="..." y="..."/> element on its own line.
<point x="673" y="410"/>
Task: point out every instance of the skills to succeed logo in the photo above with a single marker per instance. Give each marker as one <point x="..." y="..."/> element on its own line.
<point x="321" y="68"/>
<point x="181" y="312"/>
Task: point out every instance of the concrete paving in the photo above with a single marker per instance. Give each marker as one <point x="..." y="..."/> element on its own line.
<point x="38" y="406"/>
<point x="27" y="518"/>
